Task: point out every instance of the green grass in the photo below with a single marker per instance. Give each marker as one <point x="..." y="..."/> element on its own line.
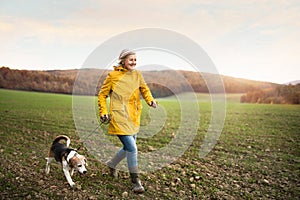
<point x="256" y="157"/>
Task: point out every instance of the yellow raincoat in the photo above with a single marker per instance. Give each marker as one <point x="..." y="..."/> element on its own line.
<point x="124" y="88"/>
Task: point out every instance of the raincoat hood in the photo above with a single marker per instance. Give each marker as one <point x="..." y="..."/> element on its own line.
<point x="121" y="68"/>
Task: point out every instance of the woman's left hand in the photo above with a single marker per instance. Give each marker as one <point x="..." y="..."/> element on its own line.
<point x="153" y="104"/>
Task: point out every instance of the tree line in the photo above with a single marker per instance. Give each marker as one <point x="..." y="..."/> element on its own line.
<point x="161" y="83"/>
<point x="281" y="94"/>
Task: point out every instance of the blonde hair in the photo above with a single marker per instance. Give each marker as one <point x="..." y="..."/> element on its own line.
<point x="124" y="54"/>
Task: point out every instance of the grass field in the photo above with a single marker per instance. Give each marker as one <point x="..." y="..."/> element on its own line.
<point x="256" y="157"/>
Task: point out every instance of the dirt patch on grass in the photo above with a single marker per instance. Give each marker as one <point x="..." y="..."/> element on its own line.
<point x="218" y="176"/>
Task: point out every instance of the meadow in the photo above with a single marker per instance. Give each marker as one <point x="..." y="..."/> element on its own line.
<point x="256" y="157"/>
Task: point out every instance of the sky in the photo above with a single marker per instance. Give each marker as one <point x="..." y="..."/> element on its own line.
<point x="253" y="39"/>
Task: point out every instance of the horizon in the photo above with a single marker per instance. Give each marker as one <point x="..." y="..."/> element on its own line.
<point x="152" y="70"/>
<point x="252" y="40"/>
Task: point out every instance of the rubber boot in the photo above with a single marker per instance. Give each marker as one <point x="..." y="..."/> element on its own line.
<point x="137" y="185"/>
<point x="112" y="163"/>
<point x="113" y="172"/>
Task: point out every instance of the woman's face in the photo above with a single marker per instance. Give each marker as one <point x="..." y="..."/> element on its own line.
<point x="130" y="62"/>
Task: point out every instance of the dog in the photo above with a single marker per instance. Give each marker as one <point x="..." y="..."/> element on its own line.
<point x="70" y="159"/>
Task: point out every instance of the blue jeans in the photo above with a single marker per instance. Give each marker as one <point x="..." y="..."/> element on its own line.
<point x="129" y="150"/>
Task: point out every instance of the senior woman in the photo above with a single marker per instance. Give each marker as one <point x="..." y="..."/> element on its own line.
<point x="124" y="86"/>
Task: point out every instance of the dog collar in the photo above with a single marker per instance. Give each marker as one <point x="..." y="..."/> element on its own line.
<point x="71" y="155"/>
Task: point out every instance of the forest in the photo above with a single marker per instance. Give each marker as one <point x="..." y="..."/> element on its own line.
<point x="161" y="83"/>
<point x="282" y="94"/>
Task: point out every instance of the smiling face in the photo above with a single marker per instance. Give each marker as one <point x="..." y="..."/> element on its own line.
<point x="130" y="62"/>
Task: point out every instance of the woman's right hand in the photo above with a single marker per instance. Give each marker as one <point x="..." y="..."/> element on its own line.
<point x="105" y="119"/>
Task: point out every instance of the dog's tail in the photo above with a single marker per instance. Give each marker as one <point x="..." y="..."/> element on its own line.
<point x="62" y="137"/>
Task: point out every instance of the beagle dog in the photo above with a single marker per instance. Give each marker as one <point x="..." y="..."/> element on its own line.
<point x="69" y="158"/>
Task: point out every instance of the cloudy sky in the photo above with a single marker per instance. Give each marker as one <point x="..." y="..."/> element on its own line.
<point x="253" y="39"/>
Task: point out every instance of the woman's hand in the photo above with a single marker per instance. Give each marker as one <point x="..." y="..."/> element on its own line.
<point x="153" y="104"/>
<point x="105" y="119"/>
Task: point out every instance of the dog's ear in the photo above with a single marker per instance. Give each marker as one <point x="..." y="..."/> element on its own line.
<point x="72" y="162"/>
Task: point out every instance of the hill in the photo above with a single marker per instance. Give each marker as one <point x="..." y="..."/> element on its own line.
<point x="293" y="82"/>
<point x="162" y="83"/>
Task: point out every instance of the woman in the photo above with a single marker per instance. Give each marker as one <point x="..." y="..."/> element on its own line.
<point x="124" y="86"/>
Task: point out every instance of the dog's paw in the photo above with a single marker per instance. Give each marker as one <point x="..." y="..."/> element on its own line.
<point x="72" y="184"/>
<point x="77" y="187"/>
